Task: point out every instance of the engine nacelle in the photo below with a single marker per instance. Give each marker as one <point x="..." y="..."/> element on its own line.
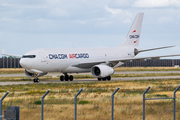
<point x="102" y="71"/>
<point x="29" y="74"/>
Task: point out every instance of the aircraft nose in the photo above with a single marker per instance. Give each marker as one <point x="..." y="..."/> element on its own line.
<point x="24" y="63"/>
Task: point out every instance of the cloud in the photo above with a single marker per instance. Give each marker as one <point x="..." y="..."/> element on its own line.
<point x="113" y="17"/>
<point x="144" y="3"/>
<point x="57" y="13"/>
<point x="62" y="16"/>
<point x="127" y="21"/>
<point x="113" y="11"/>
<point x="165" y="19"/>
<point x="156" y="3"/>
<point x="121" y="3"/>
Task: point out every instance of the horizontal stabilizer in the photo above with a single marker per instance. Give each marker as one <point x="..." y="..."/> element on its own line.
<point x="138" y="51"/>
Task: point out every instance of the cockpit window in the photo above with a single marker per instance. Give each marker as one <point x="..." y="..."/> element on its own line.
<point x="28" y="56"/>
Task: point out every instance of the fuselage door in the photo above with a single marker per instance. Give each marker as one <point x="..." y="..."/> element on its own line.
<point x="43" y="57"/>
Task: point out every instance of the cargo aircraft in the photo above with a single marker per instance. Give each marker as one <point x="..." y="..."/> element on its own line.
<point x="99" y="61"/>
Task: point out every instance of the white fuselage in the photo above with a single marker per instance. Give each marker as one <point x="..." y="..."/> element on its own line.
<point x="61" y="60"/>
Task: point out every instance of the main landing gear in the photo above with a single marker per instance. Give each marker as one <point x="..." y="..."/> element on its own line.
<point x="66" y="77"/>
<point x="105" y="78"/>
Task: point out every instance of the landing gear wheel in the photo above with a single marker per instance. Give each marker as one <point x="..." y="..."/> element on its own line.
<point x="108" y="78"/>
<point x="104" y="79"/>
<point x="36" y="79"/>
<point x="66" y="77"/>
<point x="62" y="78"/>
<point x="99" y="79"/>
<point x="71" y="78"/>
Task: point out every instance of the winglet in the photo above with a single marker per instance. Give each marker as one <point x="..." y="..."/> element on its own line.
<point x="3" y="51"/>
<point x="5" y="54"/>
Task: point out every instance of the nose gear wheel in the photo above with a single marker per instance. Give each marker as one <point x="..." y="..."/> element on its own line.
<point x="36" y="79"/>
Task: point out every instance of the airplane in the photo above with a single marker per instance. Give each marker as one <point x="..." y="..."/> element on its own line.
<point x="99" y="61"/>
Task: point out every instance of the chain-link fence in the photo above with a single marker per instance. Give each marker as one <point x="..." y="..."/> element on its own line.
<point x="92" y="103"/>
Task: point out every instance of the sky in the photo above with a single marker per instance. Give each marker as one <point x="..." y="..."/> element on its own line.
<point x="32" y="24"/>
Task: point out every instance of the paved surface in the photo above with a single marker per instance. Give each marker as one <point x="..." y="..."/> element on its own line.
<point x="126" y="72"/>
<point x="88" y="80"/>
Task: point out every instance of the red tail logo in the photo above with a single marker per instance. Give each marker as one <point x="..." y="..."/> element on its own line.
<point x="134" y="31"/>
<point x="135" y="41"/>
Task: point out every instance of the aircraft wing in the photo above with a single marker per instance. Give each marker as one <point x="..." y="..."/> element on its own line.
<point x="5" y="54"/>
<point x="90" y="64"/>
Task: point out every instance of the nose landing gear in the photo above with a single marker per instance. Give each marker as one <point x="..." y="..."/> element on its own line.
<point x="66" y="77"/>
<point x="36" y="80"/>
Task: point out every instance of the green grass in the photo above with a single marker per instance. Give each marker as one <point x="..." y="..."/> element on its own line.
<point x="37" y="102"/>
<point x="157" y="96"/>
<point x="83" y="102"/>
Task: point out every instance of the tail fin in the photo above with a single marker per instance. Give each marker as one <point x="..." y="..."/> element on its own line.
<point x="132" y="38"/>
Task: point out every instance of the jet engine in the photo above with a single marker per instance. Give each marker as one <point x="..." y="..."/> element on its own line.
<point x="102" y="71"/>
<point x="29" y="74"/>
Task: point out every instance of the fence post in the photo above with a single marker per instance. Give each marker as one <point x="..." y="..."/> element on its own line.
<point x="112" y="116"/>
<point x="1" y="103"/>
<point x="75" y="114"/>
<point x="144" y="101"/>
<point x="175" y="102"/>
<point x="42" y="103"/>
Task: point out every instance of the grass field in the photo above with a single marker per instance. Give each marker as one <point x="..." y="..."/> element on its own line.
<point x="95" y="100"/>
<point x="11" y="70"/>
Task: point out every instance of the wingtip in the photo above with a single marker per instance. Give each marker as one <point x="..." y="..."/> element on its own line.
<point x="3" y="51"/>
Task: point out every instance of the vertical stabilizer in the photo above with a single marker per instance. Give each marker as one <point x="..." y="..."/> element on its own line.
<point x="133" y="37"/>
